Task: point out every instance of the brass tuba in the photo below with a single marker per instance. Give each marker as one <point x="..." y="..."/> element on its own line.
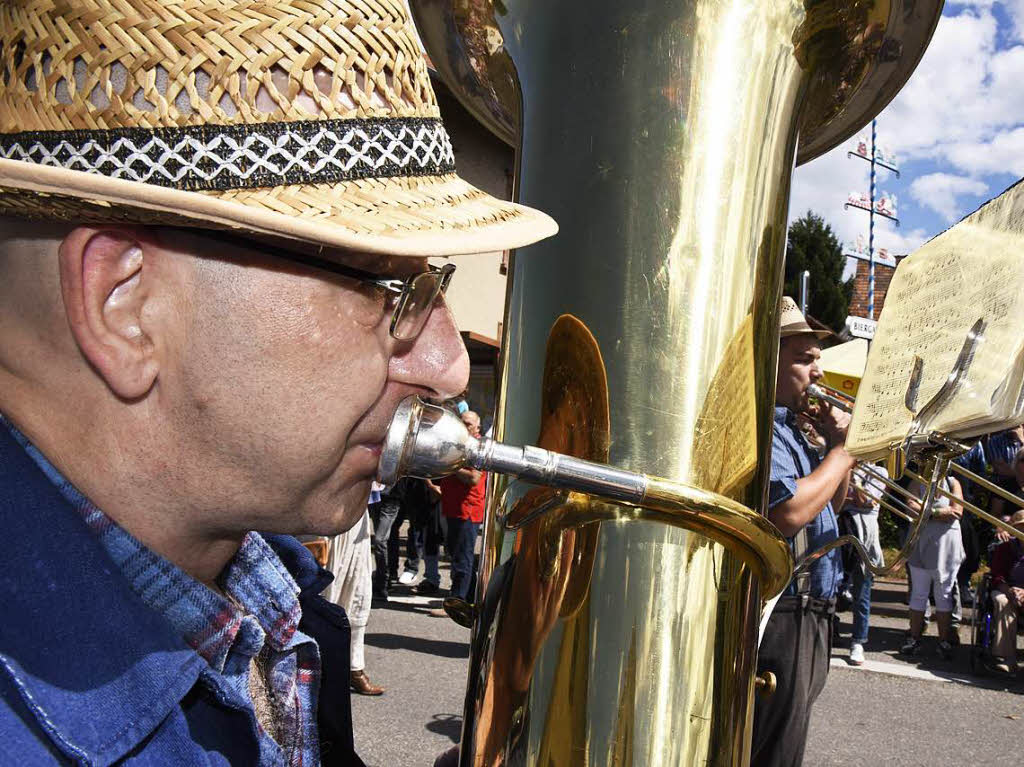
<point x="662" y="135"/>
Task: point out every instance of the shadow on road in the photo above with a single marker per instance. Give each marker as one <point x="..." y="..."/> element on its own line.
<point x="449" y="725"/>
<point x="436" y="647"/>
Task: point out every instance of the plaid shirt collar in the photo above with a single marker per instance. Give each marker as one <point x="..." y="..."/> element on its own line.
<point x="255" y="582"/>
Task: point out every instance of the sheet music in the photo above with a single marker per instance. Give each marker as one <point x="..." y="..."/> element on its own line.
<point x="936" y="295"/>
<point x="725" y="445"/>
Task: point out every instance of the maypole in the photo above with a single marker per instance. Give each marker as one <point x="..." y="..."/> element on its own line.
<point x="884" y="206"/>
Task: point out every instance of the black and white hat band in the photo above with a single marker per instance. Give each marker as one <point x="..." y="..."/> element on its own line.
<point x="219" y="157"/>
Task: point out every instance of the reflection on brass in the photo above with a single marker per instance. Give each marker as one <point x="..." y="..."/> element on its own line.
<point x="725" y="454"/>
<point x="460" y="611"/>
<point x="467" y="47"/>
<point x="766" y="683"/>
<point x="575" y="420"/>
<point x="548" y="580"/>
<point x="661" y="134"/>
<point x="860" y="54"/>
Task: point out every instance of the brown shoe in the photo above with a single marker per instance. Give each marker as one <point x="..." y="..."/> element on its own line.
<point x="360" y="683"/>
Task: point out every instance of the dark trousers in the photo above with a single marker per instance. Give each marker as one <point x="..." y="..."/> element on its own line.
<point x="424" y="537"/>
<point x="384" y="516"/>
<point x="461" y="545"/>
<point x="796" y="648"/>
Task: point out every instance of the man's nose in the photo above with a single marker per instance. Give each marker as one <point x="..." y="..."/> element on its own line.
<point x="816" y="372"/>
<point x="436" y="360"/>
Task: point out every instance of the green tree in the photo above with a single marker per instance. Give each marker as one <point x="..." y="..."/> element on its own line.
<point x="813" y="246"/>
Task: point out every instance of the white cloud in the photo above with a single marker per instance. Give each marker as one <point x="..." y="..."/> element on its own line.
<point x="900" y="243"/>
<point x="940" y="191"/>
<point x="1004" y="153"/>
<point x="965" y="92"/>
<point x="959" y="120"/>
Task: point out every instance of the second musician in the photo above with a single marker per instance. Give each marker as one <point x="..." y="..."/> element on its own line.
<point x="804" y="491"/>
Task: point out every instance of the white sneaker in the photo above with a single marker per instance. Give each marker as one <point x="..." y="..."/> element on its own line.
<point x="857" y="654"/>
<point x="407" y="577"/>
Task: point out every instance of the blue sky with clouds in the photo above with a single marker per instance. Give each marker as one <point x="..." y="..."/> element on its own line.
<point x="957" y="129"/>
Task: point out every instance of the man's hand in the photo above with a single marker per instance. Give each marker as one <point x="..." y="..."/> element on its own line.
<point x="1016" y="595"/>
<point x="833" y="424"/>
<point x="468" y="476"/>
<point x="1001" y="535"/>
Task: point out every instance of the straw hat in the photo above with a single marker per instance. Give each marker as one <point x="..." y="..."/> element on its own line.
<point x="793" y="323"/>
<point x="312" y="120"/>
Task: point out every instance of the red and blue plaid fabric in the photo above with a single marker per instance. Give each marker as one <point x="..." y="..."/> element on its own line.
<point x="259" y="616"/>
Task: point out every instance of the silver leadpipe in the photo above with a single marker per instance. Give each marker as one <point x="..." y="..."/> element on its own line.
<point x="820" y="391"/>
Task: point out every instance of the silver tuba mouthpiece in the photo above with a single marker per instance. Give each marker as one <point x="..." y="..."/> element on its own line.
<point x="425" y="441"/>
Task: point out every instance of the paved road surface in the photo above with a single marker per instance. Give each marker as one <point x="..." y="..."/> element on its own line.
<point x="864" y="717"/>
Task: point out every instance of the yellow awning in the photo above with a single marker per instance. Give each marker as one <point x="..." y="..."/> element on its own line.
<point x="843" y="365"/>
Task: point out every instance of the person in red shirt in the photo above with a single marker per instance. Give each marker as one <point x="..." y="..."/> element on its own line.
<point x="462" y="504"/>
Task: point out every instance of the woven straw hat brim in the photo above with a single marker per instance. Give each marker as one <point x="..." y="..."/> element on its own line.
<point x="402" y="216"/>
<point x="801" y="329"/>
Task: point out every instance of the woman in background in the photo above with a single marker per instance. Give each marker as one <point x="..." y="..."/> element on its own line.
<point x="933" y="567"/>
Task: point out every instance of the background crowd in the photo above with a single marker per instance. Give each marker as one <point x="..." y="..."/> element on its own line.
<point x="366" y="560"/>
<point x="951" y="550"/>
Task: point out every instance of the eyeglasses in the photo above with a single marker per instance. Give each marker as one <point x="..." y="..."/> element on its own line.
<point x="416" y="294"/>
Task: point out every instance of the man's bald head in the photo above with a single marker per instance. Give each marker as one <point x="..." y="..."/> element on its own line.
<point x="472" y="422"/>
<point x="183" y="382"/>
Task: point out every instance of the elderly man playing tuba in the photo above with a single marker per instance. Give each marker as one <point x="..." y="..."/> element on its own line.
<point x="215" y="218"/>
<point x="804" y="493"/>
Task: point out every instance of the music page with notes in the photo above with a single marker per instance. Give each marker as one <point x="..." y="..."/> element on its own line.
<point x="972" y="271"/>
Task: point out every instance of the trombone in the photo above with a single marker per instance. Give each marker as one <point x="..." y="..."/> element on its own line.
<point x="842" y="401"/>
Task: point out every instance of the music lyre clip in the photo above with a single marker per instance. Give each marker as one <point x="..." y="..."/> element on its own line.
<point x="920" y="438"/>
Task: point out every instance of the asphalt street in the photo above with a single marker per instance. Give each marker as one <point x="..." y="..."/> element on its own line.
<point x="890" y="712"/>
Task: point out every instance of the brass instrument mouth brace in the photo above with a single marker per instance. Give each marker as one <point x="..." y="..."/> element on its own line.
<point x="428" y="441"/>
<point x="933" y="449"/>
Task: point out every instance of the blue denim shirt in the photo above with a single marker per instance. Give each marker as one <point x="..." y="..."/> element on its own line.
<point x="91" y="674"/>
<point x="793" y="458"/>
<point x="1003" y="446"/>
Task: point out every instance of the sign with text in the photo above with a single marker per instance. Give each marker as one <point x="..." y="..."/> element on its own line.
<point x="861" y="327"/>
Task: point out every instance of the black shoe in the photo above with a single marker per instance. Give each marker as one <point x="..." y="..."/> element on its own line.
<point x="379" y="598"/>
<point x="426" y="588"/>
<point x="945" y="649"/>
<point x="911" y="646"/>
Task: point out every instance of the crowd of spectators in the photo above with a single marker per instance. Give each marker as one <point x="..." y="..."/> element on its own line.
<point x="950" y="550"/>
<point x="366" y="560"/>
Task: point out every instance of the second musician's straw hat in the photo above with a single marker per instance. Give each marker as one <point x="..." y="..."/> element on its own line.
<point x="793" y="323"/>
<point x="312" y="120"/>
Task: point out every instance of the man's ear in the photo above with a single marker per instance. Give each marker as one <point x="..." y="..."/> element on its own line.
<point x="106" y="285"/>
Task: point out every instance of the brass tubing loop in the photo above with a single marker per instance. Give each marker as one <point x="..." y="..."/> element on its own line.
<point x="661" y="135"/>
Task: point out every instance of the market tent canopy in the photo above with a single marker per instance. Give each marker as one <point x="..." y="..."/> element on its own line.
<point x="843" y="365"/>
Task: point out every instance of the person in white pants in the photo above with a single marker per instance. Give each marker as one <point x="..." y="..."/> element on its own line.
<point x="933" y="567"/>
<point x="351" y="562"/>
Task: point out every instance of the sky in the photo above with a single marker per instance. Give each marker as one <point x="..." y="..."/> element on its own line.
<point x="956" y="129"/>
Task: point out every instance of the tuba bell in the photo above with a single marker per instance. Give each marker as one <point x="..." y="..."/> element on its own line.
<point x="662" y="135"/>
